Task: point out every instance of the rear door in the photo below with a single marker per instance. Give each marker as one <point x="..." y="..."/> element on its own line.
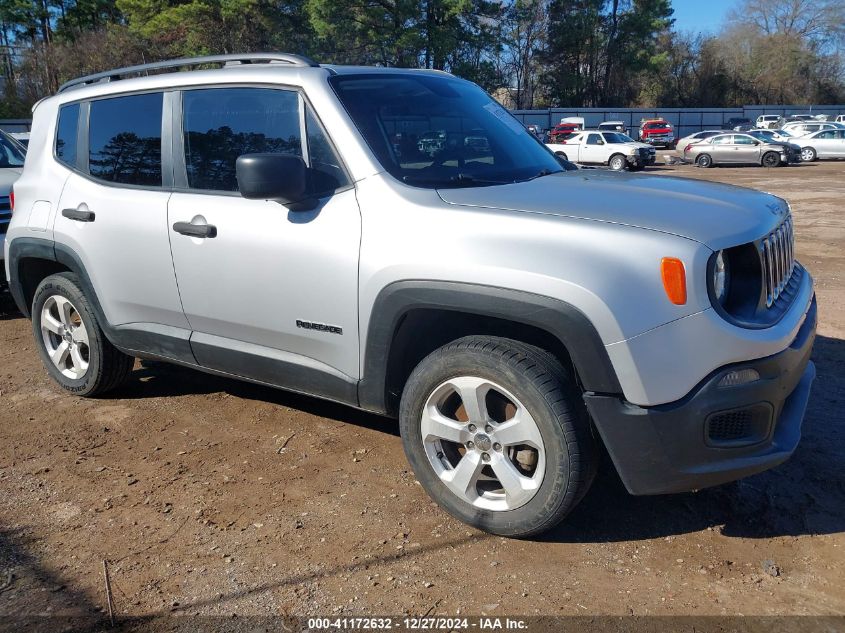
<point x="721" y="149"/>
<point x="113" y="208"/>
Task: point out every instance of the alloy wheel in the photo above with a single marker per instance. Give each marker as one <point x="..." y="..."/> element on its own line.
<point x="65" y="337"/>
<point x="483" y="443"/>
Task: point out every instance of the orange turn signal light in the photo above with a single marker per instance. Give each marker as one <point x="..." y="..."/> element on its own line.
<point x="674" y="279"/>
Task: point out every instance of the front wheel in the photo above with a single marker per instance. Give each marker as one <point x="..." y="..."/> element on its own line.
<point x="617" y="162"/>
<point x="771" y="159"/>
<point x="704" y="160"/>
<point x="71" y="343"/>
<point x="808" y="154"/>
<point x="497" y="435"/>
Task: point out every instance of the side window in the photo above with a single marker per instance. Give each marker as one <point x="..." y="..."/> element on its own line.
<point x="826" y="134"/>
<point x="66" y="134"/>
<point x="326" y="171"/>
<point x="124" y="138"/>
<point x="722" y="140"/>
<point x="594" y="139"/>
<point x="743" y="140"/>
<point x="221" y="124"/>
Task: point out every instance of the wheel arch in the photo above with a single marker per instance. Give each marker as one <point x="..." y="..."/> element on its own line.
<point x="410" y="319"/>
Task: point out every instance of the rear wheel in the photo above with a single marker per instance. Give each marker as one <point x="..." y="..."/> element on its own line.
<point x="704" y="160"/>
<point x="617" y="162"/>
<point x="70" y="341"/>
<point x="497" y="434"/>
<point x="808" y="154"/>
<point x="771" y="159"/>
<point x="562" y="155"/>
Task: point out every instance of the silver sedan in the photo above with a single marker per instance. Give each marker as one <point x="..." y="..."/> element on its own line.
<point x="735" y="149"/>
<point x="823" y="144"/>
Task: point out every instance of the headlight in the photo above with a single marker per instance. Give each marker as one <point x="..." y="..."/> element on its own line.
<point x="721" y="278"/>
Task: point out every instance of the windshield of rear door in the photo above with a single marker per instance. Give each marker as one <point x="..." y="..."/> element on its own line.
<point x="430" y="131"/>
<point x="11" y="154"/>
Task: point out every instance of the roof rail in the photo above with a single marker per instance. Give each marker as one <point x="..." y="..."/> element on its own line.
<point x="226" y="60"/>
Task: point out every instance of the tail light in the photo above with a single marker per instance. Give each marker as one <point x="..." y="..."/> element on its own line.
<point x="686" y="149"/>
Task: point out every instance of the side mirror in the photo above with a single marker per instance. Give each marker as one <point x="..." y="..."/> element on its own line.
<point x="279" y="177"/>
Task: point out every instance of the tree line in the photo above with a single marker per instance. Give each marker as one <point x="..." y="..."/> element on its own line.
<point x="527" y="53"/>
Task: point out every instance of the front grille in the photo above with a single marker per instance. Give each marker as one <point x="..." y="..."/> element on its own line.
<point x="778" y="259"/>
<point x="5" y="213"/>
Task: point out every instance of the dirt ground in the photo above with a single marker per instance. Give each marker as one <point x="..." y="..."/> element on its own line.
<point x="212" y="496"/>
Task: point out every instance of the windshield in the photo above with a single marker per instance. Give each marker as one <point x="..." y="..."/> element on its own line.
<point x="615" y="137"/>
<point x="11" y="154"/>
<point x="433" y="131"/>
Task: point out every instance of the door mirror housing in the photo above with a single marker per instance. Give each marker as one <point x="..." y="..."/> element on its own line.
<point x="279" y="177"/>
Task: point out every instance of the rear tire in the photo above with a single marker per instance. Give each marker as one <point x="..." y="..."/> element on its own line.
<point x="808" y="154"/>
<point x="71" y="342"/>
<point x="515" y="461"/>
<point x="771" y="159"/>
<point x="704" y="160"/>
<point x="562" y="155"/>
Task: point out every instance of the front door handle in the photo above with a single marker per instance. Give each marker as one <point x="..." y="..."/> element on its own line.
<point x="80" y="215"/>
<point x="195" y="230"/>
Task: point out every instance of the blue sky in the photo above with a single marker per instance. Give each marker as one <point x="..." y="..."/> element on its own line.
<point x="701" y="15"/>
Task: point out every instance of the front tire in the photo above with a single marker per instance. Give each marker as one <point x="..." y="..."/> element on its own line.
<point x="771" y="159"/>
<point x="617" y="162"/>
<point x="497" y="434"/>
<point x="72" y="345"/>
<point x="808" y="154"/>
<point x="704" y="160"/>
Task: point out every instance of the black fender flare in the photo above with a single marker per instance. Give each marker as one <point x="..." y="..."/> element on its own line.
<point x="560" y="319"/>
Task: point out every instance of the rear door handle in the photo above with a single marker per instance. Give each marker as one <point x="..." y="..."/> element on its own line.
<point x="79" y="215"/>
<point x="195" y="230"/>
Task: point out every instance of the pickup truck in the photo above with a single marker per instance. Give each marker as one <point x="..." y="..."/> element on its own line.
<point x="657" y="132"/>
<point x="613" y="149"/>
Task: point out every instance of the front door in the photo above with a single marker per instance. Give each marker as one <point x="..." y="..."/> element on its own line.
<point x="592" y="150"/>
<point x="270" y="293"/>
<point x="745" y="149"/>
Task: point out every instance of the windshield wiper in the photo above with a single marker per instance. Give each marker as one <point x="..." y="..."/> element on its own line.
<point x="541" y="173"/>
<point x="458" y="180"/>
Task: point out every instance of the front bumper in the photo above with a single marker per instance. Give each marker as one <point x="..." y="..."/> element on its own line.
<point x="662" y="141"/>
<point x="668" y="448"/>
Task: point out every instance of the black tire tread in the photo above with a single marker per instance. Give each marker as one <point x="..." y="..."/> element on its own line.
<point x="558" y="389"/>
<point x="115" y="366"/>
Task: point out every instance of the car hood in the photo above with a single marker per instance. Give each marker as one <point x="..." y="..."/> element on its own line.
<point x="714" y="214"/>
<point x="8" y="176"/>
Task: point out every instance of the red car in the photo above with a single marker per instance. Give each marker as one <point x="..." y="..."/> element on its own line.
<point x="562" y="131"/>
<point x="657" y="132"/>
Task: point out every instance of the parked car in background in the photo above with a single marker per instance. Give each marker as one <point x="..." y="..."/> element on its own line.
<point x="822" y="144"/>
<point x="12" y="156"/>
<point x="840" y="118"/>
<point x="771" y="135"/>
<point x="562" y="132"/>
<point x="657" y="132"/>
<point x="596" y="147"/>
<point x="739" y="124"/>
<point x="536" y="130"/>
<point x="802" y="128"/>
<point x="768" y="121"/>
<point x="20" y="137"/>
<point x="741" y="149"/>
<point x="613" y="126"/>
<point x="695" y="138"/>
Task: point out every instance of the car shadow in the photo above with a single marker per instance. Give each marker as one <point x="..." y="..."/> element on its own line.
<point x="8" y="309"/>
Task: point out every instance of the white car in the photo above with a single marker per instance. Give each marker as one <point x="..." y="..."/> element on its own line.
<point x="695" y="138"/>
<point x="11" y="165"/>
<point x="803" y="128"/>
<point x="822" y="144"/>
<point x="594" y="147"/>
<point x="768" y="121"/>
<point x="840" y="118"/>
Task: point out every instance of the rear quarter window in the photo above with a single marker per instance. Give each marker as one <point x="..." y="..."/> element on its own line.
<point x="66" y="134"/>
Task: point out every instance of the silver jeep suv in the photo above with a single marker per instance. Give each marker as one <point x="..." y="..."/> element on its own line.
<point x="282" y="222"/>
